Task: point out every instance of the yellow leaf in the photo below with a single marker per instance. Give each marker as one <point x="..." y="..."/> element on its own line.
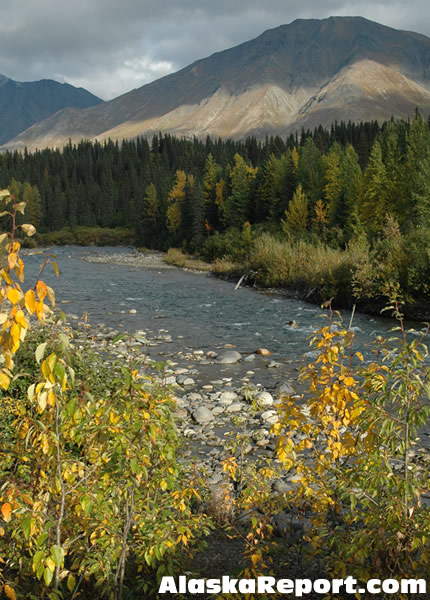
<point x="4" y="380"/>
<point x="55" y="267"/>
<point x="30" y="301"/>
<point x="20" y="207"/>
<point x="50" y="564"/>
<point x="20" y="317"/>
<point x="41" y="401"/>
<point x="13" y="295"/>
<point x="10" y="592"/>
<point x="11" y="260"/>
<point x="41" y="289"/>
<point x="6" y="511"/>
<point x="1" y="532"/>
<point x="28" y="229"/>
<point x="163" y="485"/>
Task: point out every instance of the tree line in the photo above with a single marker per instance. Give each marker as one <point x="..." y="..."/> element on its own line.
<point x="365" y="184"/>
<point x="135" y="182"/>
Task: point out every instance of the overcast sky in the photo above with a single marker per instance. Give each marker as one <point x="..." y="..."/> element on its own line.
<point x="112" y="46"/>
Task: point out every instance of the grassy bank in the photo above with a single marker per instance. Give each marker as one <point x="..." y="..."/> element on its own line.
<point x="86" y="236"/>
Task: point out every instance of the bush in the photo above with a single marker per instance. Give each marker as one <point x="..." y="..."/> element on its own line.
<point x="176" y="257"/>
<point x="93" y="499"/>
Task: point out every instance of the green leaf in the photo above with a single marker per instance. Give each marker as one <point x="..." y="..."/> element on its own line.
<point x="119" y="337"/>
<point x="48" y="575"/>
<point x="64" y="340"/>
<point x="95" y="567"/>
<point x="71" y="582"/>
<point x="26" y="527"/>
<point x="57" y="554"/>
<point x="42" y="538"/>
<point x="40" y="351"/>
<point x="37" y="559"/>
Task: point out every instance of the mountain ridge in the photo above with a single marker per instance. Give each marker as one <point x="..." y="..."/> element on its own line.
<point x="23" y="104"/>
<point x="303" y="74"/>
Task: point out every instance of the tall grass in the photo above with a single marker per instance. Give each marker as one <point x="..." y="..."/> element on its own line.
<point x="315" y="269"/>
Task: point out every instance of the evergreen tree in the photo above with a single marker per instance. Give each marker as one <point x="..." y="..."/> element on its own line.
<point x="236" y="206"/>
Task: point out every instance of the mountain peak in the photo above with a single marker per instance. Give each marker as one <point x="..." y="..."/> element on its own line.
<point x="4" y="79"/>
<point x="302" y="74"/>
<point x="24" y="103"/>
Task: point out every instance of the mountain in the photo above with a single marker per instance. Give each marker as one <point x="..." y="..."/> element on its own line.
<point x="307" y="73"/>
<point x="23" y="104"/>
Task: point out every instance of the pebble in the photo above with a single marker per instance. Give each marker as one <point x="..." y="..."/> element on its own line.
<point x="263" y="352"/>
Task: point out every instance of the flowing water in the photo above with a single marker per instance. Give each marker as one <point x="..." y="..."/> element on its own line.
<point x="205" y="310"/>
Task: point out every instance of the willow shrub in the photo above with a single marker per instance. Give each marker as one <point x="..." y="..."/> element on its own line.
<point x="353" y="452"/>
<point x="93" y="500"/>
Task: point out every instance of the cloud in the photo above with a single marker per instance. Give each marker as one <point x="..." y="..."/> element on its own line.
<point x="110" y="47"/>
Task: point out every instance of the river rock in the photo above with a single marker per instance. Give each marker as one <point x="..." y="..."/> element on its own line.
<point x="270" y="416"/>
<point x="273" y="365"/>
<point x="230" y="357"/>
<point x="235" y="407"/>
<point x="249" y="358"/>
<point x="264" y="399"/>
<point x="227" y="397"/>
<point x="132" y="311"/>
<point x="281" y="487"/>
<point x="181" y="413"/>
<point x="202" y="415"/>
<point x="194" y="397"/>
<point x="184" y="380"/>
<point x="263" y="352"/>
<point x="285" y="389"/>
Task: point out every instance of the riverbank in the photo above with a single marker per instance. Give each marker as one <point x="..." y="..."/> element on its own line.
<point x="226" y="417"/>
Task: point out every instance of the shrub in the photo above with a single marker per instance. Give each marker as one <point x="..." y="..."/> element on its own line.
<point x="93" y="500"/>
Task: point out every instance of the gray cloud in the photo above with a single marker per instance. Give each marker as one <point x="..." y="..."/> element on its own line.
<point x="112" y="46"/>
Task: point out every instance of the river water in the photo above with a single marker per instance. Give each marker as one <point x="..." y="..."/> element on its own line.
<point x="205" y="310"/>
<point x="200" y="312"/>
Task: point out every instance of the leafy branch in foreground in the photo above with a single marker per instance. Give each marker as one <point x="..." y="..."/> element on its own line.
<point x="93" y="499"/>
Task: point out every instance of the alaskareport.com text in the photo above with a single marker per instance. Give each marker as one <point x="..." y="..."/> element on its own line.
<point x="298" y="587"/>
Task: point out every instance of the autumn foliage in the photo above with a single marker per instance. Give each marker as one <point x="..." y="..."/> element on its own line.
<point x="93" y="500"/>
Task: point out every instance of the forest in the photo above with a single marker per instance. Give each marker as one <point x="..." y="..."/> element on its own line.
<point x="340" y="213"/>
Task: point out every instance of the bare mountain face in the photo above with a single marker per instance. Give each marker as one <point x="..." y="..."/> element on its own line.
<point x="307" y="73"/>
<point x="22" y="104"/>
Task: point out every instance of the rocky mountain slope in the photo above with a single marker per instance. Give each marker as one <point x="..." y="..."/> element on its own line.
<point x="307" y="73"/>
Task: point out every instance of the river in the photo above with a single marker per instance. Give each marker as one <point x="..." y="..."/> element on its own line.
<point x="201" y="308"/>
